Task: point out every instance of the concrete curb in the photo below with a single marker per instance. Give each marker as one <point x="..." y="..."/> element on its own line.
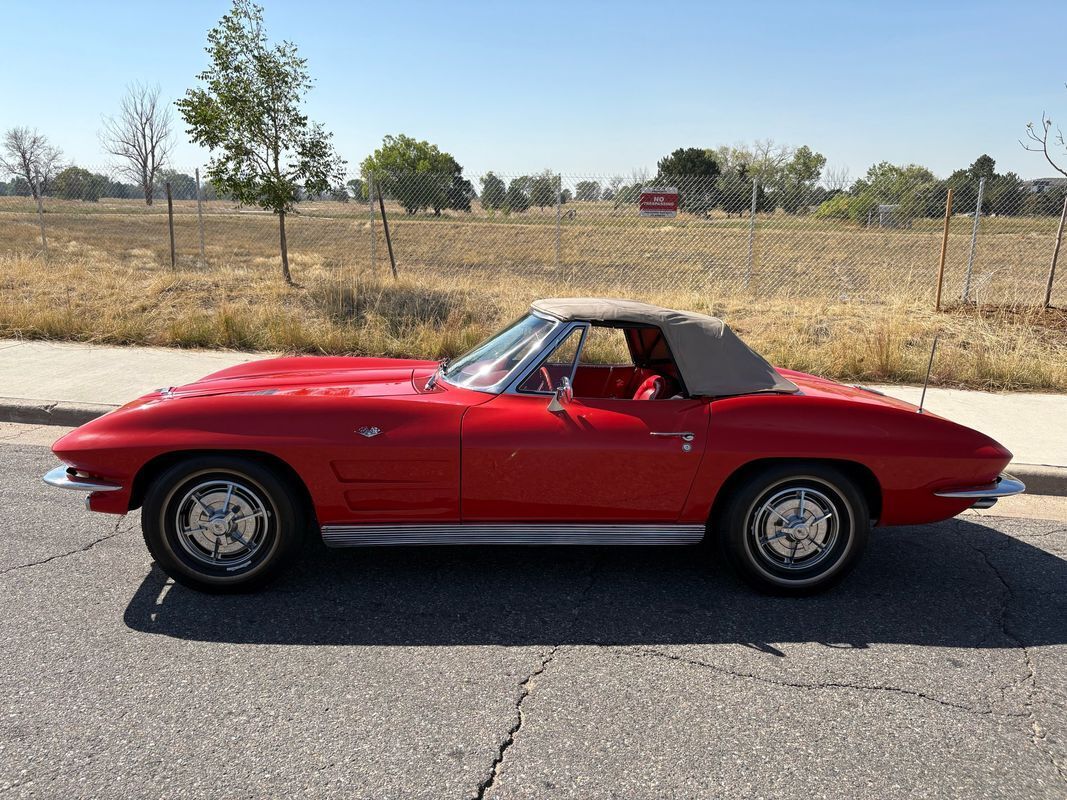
<point x="42" y="412"/>
<point x="1040" y="479"/>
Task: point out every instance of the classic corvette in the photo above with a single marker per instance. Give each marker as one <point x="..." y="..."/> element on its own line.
<point x="532" y="437"/>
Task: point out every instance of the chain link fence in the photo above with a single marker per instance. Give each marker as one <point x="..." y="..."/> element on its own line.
<point x="580" y="233"/>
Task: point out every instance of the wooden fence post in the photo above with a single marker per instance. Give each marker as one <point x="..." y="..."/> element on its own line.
<point x="385" y="227"/>
<point x="1055" y="256"/>
<point x="200" y="218"/>
<point x="40" y="190"/>
<point x="170" y="224"/>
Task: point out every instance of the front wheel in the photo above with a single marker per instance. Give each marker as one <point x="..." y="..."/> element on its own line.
<point x="794" y="528"/>
<point x="222" y="524"/>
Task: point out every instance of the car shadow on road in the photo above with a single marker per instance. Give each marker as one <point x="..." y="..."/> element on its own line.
<point x="955" y="584"/>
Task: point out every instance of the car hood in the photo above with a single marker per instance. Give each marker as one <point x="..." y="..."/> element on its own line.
<point x="309" y="375"/>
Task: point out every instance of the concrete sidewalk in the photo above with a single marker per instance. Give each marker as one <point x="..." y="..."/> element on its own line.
<point x="60" y="383"/>
<point x="69" y="384"/>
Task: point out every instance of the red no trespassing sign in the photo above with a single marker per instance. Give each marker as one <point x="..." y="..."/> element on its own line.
<point x="659" y="201"/>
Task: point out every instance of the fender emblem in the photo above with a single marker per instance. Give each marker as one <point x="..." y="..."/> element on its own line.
<point x="369" y="431"/>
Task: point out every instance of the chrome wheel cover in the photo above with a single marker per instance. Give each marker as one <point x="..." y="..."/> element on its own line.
<point x="794" y="529"/>
<point x="222" y="523"/>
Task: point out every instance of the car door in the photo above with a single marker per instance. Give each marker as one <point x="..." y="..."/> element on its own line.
<point x="596" y="460"/>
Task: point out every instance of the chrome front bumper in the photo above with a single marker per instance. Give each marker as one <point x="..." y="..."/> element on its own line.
<point x="70" y="478"/>
<point x="986" y="496"/>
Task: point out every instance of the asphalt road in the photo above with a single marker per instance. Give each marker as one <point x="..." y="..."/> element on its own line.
<point x="938" y="670"/>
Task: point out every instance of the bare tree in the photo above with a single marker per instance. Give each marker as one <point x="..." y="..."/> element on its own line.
<point x="768" y="159"/>
<point x="762" y="160"/>
<point x="140" y="136"/>
<point x="1040" y="141"/>
<point x="639" y="175"/>
<point x="28" y="155"/>
<point x="836" y="179"/>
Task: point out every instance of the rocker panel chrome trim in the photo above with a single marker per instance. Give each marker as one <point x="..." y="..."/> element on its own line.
<point x="527" y="534"/>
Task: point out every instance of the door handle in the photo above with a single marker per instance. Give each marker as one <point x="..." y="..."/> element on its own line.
<point x="685" y="436"/>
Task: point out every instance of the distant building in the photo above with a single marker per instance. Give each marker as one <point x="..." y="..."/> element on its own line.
<point x="1039" y="185"/>
<point x="887" y="216"/>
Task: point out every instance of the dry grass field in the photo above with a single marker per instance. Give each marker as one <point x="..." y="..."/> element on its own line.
<point x="847" y="303"/>
<point x="797" y="256"/>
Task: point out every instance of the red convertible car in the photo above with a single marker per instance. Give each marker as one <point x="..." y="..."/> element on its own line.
<point x="530" y="438"/>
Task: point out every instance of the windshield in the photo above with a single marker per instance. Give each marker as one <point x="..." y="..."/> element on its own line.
<point x="491" y="364"/>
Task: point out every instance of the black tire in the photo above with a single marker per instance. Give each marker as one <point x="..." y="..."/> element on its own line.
<point x="778" y="552"/>
<point x="259" y="537"/>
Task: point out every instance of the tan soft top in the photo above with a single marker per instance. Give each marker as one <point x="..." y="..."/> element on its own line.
<point x="712" y="360"/>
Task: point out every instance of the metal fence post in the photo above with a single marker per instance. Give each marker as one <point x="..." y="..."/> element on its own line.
<point x="974" y="241"/>
<point x="373" y="235"/>
<point x="200" y="217"/>
<point x="559" y="199"/>
<point x="751" y="233"/>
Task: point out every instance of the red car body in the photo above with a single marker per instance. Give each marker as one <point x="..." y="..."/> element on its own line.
<point x="447" y="454"/>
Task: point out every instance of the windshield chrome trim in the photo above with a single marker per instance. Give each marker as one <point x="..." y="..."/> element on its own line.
<point x="524" y="366"/>
<point x="551" y="343"/>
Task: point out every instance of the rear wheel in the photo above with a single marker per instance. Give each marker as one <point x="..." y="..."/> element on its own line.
<point x="222" y="524"/>
<point x="794" y="528"/>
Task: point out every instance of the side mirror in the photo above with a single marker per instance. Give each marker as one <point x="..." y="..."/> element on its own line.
<point x="563" y="394"/>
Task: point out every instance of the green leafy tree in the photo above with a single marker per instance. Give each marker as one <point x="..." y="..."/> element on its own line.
<point x="837" y="207"/>
<point x="910" y="187"/>
<point x="543" y="191"/>
<point x="494" y="192"/>
<point x="798" y="179"/>
<point x="517" y="199"/>
<point x="734" y="192"/>
<point x="248" y="113"/>
<point x="1048" y="203"/>
<point x="628" y="194"/>
<point x="416" y="174"/>
<point x="20" y="187"/>
<point x="588" y="191"/>
<point x="77" y="183"/>
<point x="182" y="186"/>
<point x="125" y="191"/>
<point x="565" y="197"/>
<point x="1003" y="194"/>
<point x="983" y="167"/>
<point x="694" y="171"/>
<point x="460" y="194"/>
<point x="357" y="189"/>
<point x="612" y="189"/>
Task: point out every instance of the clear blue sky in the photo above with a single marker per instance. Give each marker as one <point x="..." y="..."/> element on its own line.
<point x="584" y="88"/>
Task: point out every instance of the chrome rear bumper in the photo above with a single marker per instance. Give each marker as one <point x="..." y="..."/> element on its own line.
<point x="70" y="478"/>
<point x="986" y="496"/>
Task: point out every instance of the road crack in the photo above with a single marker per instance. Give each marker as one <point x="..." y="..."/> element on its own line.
<point x="859" y="687"/>
<point x="527" y="685"/>
<point x="525" y="688"/>
<point x="1037" y="732"/>
<point x="84" y="548"/>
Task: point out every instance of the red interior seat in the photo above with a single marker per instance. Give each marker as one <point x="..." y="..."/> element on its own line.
<point x="650" y="388"/>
